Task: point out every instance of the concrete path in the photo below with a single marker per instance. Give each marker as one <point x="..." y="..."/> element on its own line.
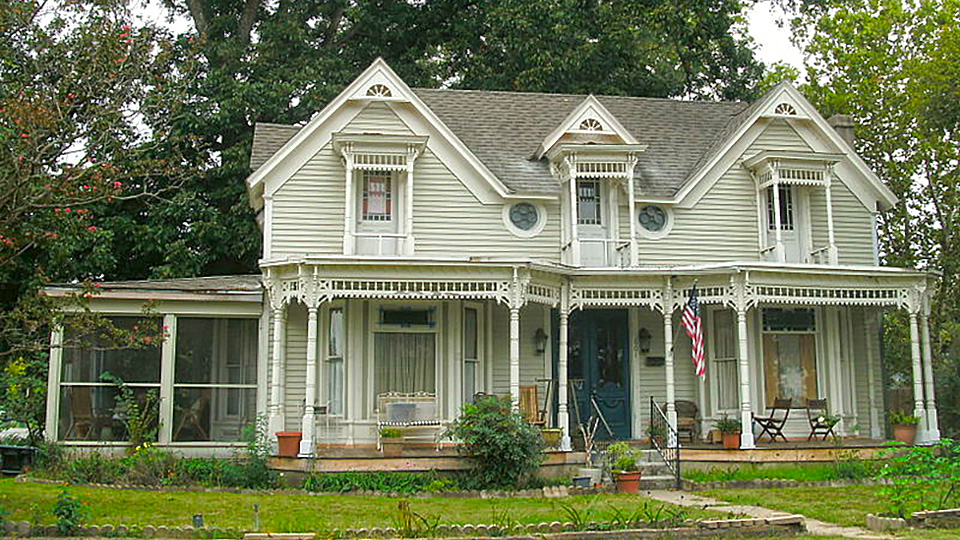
<point x="814" y="526"/>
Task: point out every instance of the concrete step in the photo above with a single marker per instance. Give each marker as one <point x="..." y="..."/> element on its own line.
<point x="657" y="481"/>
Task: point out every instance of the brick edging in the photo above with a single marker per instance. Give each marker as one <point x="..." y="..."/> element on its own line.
<point x="764" y="483"/>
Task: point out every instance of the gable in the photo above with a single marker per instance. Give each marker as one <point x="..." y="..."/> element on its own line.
<point x="377" y="117"/>
<point x="589" y="123"/>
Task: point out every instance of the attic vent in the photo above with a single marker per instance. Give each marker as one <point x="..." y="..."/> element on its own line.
<point x="379" y="90"/>
<point x="785" y="109"/>
<point x="591" y="124"/>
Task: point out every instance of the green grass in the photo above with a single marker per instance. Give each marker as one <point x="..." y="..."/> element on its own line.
<point x="285" y="512"/>
<point x="800" y="473"/>
<point x="843" y="505"/>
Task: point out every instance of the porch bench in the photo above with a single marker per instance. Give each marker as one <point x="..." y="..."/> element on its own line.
<point x="417" y="412"/>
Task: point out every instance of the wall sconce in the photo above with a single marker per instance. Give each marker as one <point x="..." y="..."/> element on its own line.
<point x="643" y="340"/>
<point x="541" y="340"/>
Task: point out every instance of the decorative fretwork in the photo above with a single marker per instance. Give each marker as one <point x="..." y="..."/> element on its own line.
<point x="591" y="124"/>
<point x="807" y="177"/>
<point x="602" y="169"/>
<point x="615" y="297"/>
<point x="419" y="289"/>
<point x="785" y="109"/>
<point x="849" y="296"/>
<point x="380" y="162"/>
<point x="379" y="90"/>
<point x="543" y="294"/>
<point x="713" y="294"/>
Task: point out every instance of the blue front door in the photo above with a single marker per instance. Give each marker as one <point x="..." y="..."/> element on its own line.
<point x="599" y="369"/>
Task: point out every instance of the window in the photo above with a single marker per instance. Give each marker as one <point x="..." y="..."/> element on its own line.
<point x="471" y="353"/>
<point x="405" y="317"/>
<point x="786" y="209"/>
<point x="652" y="218"/>
<point x="215" y="378"/>
<point x="524" y="216"/>
<point x="87" y="400"/>
<point x="789" y="354"/>
<point x="588" y="202"/>
<point x="591" y="124"/>
<point x="377" y="196"/>
<point x="404" y="362"/>
<point x="724" y="357"/>
<point x="334" y="364"/>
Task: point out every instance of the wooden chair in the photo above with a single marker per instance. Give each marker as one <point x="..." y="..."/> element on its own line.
<point x="819" y="417"/>
<point x="688" y="419"/>
<point x="191" y="418"/>
<point x="772" y="425"/>
<point x="86" y="422"/>
<point x="530" y="405"/>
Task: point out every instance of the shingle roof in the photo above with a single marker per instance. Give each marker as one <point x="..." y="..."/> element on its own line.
<point x="267" y="139"/>
<point x="504" y="130"/>
<point x="210" y="284"/>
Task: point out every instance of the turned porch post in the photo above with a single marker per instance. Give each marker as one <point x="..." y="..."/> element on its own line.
<point x="668" y="352"/>
<point x="746" y="417"/>
<point x="349" y="204"/>
<point x="833" y="255"/>
<point x="777" y="218"/>
<point x="408" y="211"/>
<point x="933" y="424"/>
<point x="276" y="420"/>
<point x="515" y="304"/>
<point x="632" y="213"/>
<point x="918" y="407"/>
<point x="309" y="425"/>
<point x="872" y="338"/>
<point x="563" y="411"/>
<point x="574" y="233"/>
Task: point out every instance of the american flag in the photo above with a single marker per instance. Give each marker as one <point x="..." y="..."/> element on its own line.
<point x="692" y="323"/>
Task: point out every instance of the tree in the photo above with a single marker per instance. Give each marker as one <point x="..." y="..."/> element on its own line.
<point x="894" y="67"/>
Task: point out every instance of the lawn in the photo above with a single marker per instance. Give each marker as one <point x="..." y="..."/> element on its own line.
<point x="801" y="473"/>
<point x="842" y="505"/>
<point x="294" y="512"/>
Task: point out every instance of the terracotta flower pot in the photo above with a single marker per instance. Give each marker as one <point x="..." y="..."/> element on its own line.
<point x="288" y="443"/>
<point x="392" y="447"/>
<point x="905" y="433"/>
<point x="731" y="440"/>
<point x="628" y="482"/>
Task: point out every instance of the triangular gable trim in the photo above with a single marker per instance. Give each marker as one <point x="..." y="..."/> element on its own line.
<point x="592" y="112"/>
<point x="378" y="82"/>
<point x="803" y="110"/>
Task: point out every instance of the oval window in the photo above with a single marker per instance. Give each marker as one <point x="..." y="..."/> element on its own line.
<point x="653" y="218"/>
<point x="524" y="216"/>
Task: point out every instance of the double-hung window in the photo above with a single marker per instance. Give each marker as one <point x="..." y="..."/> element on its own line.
<point x="588" y="202"/>
<point x="377" y="196"/>
<point x="336" y="337"/>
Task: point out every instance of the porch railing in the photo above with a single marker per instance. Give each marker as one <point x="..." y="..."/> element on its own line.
<point x="665" y="440"/>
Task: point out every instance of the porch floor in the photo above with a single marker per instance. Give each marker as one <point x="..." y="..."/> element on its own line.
<point x="792" y="451"/>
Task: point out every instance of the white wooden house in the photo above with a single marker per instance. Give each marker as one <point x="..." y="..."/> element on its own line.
<point x="455" y="242"/>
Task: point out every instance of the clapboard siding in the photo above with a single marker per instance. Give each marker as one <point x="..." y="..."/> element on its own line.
<point x="450" y="221"/>
<point x="295" y="368"/>
<point x="721" y="227"/>
<point x="779" y="135"/>
<point x="852" y="224"/>
<point x="377" y="118"/>
<point x="531" y="363"/>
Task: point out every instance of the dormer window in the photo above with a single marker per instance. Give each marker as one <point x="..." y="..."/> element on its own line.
<point x="588" y="202"/>
<point x="377" y="196"/>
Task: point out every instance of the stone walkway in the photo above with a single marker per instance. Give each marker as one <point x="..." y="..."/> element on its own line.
<point x="814" y="526"/>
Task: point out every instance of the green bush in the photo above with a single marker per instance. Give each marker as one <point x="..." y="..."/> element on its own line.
<point x="921" y="478"/>
<point x="91" y="468"/>
<point x="620" y="457"/>
<point x="503" y="446"/>
<point x="398" y="482"/>
<point x="69" y="512"/>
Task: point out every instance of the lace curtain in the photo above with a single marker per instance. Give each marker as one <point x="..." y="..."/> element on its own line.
<point x="404" y="362"/>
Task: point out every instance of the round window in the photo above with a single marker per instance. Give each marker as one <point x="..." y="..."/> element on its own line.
<point x="524" y="216"/>
<point x="653" y="218"/>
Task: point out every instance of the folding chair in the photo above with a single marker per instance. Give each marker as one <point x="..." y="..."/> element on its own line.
<point x="819" y="418"/>
<point x="773" y="425"/>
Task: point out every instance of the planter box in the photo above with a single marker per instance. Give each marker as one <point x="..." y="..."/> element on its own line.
<point x="392" y="447"/>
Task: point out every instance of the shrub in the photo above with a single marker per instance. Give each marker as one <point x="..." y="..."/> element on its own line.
<point x="69" y="512"/>
<point x="140" y="415"/>
<point x="149" y="466"/>
<point x="502" y="445"/>
<point x="922" y="478"/>
<point x="92" y="468"/>
<point x="621" y="457"/>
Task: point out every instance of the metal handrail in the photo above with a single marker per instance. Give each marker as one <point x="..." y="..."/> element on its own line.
<point x="665" y="439"/>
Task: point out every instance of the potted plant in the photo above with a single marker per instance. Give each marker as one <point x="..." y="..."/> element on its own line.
<point x="730" y="431"/>
<point x="391" y="441"/>
<point x="904" y="426"/>
<point x="551" y="437"/>
<point x="623" y="464"/>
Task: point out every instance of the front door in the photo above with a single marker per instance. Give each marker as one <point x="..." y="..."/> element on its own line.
<point x="599" y="369"/>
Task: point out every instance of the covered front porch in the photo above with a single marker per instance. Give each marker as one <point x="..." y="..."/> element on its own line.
<point x="591" y="342"/>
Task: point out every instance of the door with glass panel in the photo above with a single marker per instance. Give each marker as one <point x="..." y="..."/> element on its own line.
<point x="377" y="220"/>
<point x="789" y="355"/>
<point x="599" y="368"/>
<point x="405" y="351"/>
<point x="592" y="223"/>
<point x="790" y="217"/>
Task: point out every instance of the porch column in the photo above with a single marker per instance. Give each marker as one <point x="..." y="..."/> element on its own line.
<point x="746" y="419"/>
<point x="668" y="353"/>
<point x="632" y="214"/>
<point x="918" y="408"/>
<point x="276" y="421"/>
<point x="53" y="384"/>
<point x="872" y="337"/>
<point x="933" y="424"/>
<point x="563" y="412"/>
<point x="309" y="425"/>
<point x="777" y="219"/>
<point x="832" y="254"/>
<point x="515" y="355"/>
<point x="348" y="238"/>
